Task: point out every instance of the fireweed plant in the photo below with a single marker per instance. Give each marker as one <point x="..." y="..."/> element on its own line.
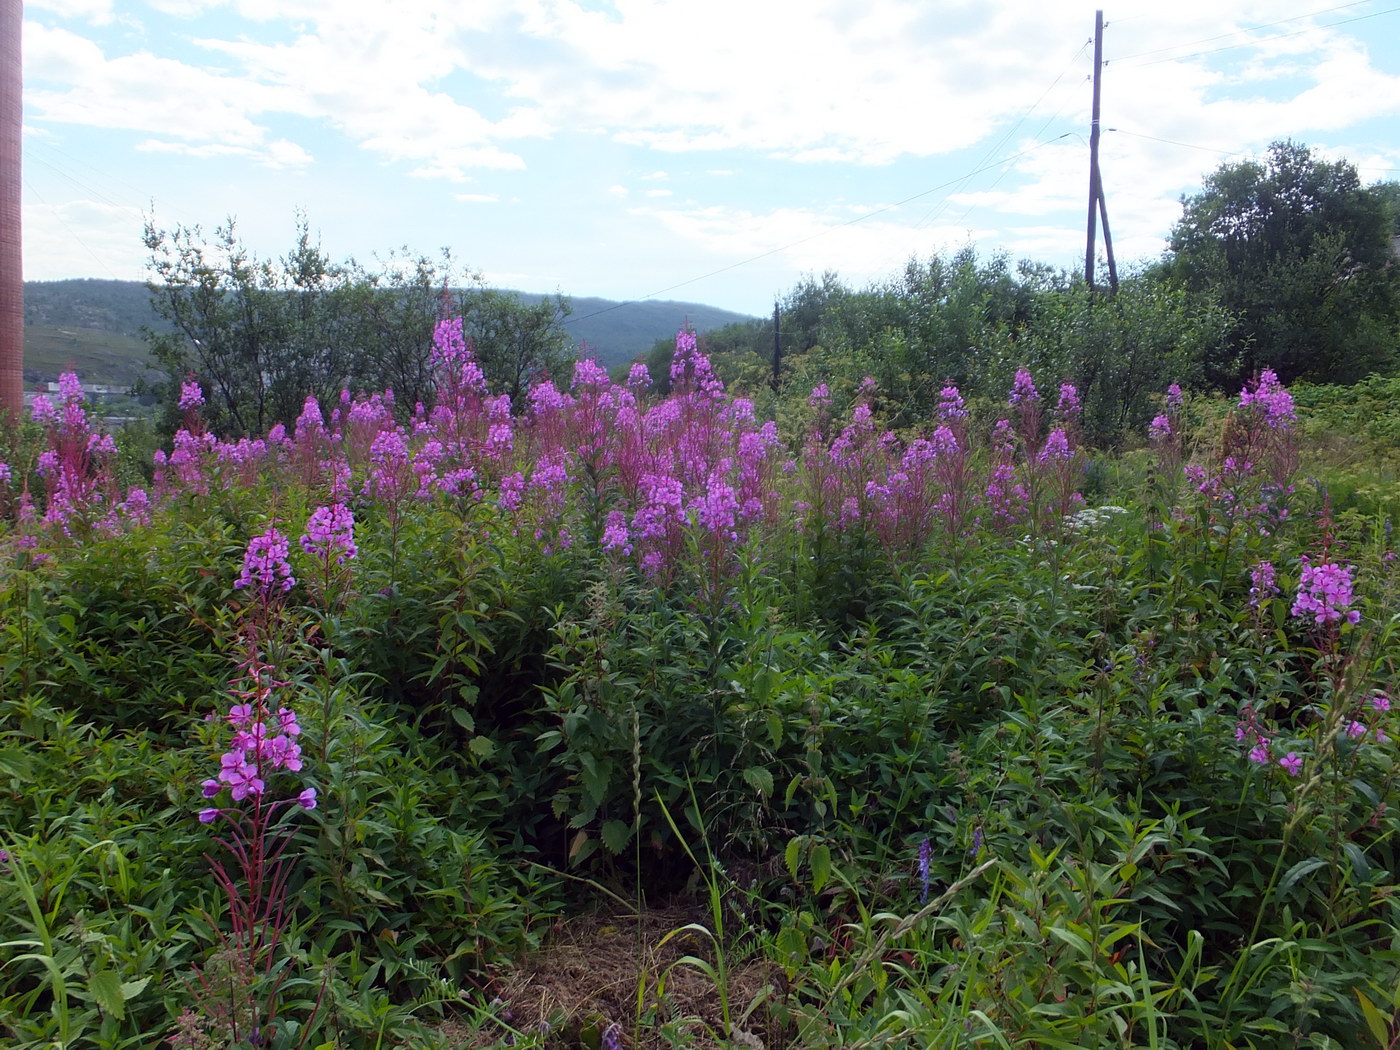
<point x="980" y="764"/>
<point x="255" y="786"/>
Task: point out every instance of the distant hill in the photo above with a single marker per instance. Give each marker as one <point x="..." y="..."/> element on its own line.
<point x="94" y="327"/>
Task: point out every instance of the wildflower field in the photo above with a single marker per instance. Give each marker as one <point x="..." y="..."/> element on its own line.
<point x="353" y="735"/>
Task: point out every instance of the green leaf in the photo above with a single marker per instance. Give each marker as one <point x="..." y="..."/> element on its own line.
<point x="1374" y="1021"/>
<point x="792" y="855"/>
<point x="760" y="779"/>
<point x="616" y="835"/>
<point x="821" y="866"/>
<point x="1359" y="865"/>
<point x="464" y="719"/>
<point x="482" y="746"/>
<point x="1298" y="871"/>
<point x="106" y="989"/>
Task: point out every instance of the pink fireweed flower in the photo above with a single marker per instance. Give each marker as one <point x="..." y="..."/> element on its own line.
<point x="1174" y="397"/>
<point x="191" y="396"/>
<point x="1291" y="763"/>
<point x="1356" y="729"/>
<point x="1267" y="396"/>
<point x="1380" y="702"/>
<point x="240" y="775"/>
<point x="1325" y="593"/>
<point x="208" y="816"/>
<point x="265" y="565"/>
<point x="1023" y="391"/>
<point x="1263" y="583"/>
<point x="1069" y="405"/>
<point x="307" y="799"/>
<point x="951" y="404"/>
<point x="330" y="533"/>
<point x="240" y="716"/>
<point x="1160" y="428"/>
<point x="820" y="397"/>
<point x="1056" y="447"/>
<point x="1260" y="751"/>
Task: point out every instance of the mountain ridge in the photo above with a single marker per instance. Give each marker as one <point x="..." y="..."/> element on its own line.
<point x="94" y="326"/>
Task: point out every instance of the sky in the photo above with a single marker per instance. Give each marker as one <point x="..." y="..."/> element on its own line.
<point x="715" y="151"/>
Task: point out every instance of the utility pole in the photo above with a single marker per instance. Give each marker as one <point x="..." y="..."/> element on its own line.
<point x="11" y="245"/>
<point x="1098" y="207"/>
<point x="777" y="347"/>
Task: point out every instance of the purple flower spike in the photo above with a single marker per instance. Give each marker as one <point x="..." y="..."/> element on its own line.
<point x="925" y="857"/>
<point x="265" y="565"/>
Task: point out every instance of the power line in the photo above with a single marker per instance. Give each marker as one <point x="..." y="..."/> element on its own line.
<point x="1006" y="137"/>
<point x="820" y="233"/>
<point x="1238" y="32"/>
<point x="1279" y="36"/>
<point x="1174" y="142"/>
<point x="1222" y="152"/>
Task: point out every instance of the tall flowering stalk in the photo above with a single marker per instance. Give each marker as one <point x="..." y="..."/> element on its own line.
<point x="329" y="539"/>
<point x="255" y="786"/>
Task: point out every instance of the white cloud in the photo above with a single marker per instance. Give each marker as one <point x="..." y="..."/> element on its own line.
<point x="477" y="198"/>
<point x="659" y="193"/>
<point x="82" y="238"/>
<point x="279" y="154"/>
<point x="809" y="240"/>
<point x="98" y="12"/>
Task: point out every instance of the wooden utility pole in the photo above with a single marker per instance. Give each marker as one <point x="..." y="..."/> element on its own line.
<point x="11" y="245"/>
<point x="777" y="347"/>
<point x="1098" y="207"/>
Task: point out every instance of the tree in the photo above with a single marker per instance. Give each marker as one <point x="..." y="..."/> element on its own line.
<point x="1300" y="252"/>
<point x="517" y="343"/>
<point x="260" y="335"/>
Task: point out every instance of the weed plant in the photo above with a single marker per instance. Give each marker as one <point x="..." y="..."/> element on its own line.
<point x="961" y="756"/>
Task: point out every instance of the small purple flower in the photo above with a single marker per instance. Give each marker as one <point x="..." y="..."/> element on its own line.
<point x="925" y="859"/>
<point x="1023" y="389"/>
<point x="1160" y="428"/>
<point x="307" y="799"/>
<point x="207" y="816"/>
<point x="951" y="404"/>
<point x="265" y="565"/>
<point x="612" y="1037"/>
<point x="1056" y="447"/>
<point x="1356" y="730"/>
<point x="1380" y="702"/>
<point x="1069" y="405"/>
<point x="1263" y="583"/>
<point x="1259" y="753"/>
<point x="210" y="788"/>
<point x="1325" y="593"/>
<point x="976" y="844"/>
<point x="191" y="396"/>
<point x="330" y="533"/>
<point x="1291" y="763"/>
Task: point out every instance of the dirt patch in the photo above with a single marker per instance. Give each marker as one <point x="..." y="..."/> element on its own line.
<point x="601" y="970"/>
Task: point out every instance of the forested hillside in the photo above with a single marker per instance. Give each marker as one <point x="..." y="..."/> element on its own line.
<point x="94" y="327"/>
